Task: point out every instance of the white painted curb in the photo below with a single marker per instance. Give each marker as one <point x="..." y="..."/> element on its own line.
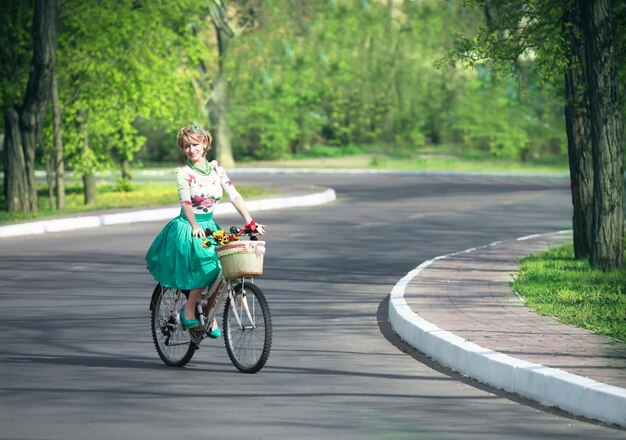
<point x="549" y="386"/>
<point x="147" y="215"/>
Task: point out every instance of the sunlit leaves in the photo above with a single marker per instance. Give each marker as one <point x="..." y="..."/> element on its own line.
<point x="120" y="62"/>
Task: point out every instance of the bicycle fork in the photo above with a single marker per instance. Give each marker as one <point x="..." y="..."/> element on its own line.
<point x="237" y="307"/>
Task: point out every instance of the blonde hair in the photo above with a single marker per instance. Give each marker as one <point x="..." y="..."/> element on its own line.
<point x="194" y="133"/>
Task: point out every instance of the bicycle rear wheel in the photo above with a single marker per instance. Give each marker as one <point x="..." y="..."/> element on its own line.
<point x="248" y="337"/>
<point x="172" y="343"/>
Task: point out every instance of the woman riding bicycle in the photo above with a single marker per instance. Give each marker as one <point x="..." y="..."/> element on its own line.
<point x="178" y="258"/>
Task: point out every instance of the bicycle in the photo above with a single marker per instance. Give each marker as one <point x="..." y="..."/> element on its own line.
<point x="246" y="321"/>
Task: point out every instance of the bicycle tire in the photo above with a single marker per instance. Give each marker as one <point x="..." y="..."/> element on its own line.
<point x="173" y="344"/>
<point x="248" y="345"/>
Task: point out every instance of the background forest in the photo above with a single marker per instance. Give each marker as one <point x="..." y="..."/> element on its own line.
<point x="525" y="81"/>
<point x="322" y="77"/>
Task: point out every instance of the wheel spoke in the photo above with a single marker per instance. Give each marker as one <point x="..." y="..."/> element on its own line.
<point x="173" y="344"/>
<point x="248" y="329"/>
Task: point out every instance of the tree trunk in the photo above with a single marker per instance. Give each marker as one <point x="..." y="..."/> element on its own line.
<point x="89" y="188"/>
<point x="16" y="185"/>
<point x="578" y="136"/>
<point x="59" y="165"/>
<point x="5" y="160"/>
<point x="50" y="180"/>
<point x="89" y="178"/>
<point x="125" y="170"/>
<point x="607" y="250"/>
<point x="217" y="104"/>
<point x="33" y="110"/>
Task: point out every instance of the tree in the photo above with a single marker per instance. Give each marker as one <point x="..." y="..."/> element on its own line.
<point x="226" y="29"/>
<point x="58" y="159"/>
<point x="277" y="82"/>
<point x="119" y="65"/>
<point x="571" y="39"/>
<point x="355" y="73"/>
<point x="577" y="123"/>
<point x="16" y="24"/>
<point x="607" y="250"/>
<point x="23" y="124"/>
<point x="217" y="102"/>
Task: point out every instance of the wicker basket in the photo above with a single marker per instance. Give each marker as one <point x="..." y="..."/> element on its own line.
<point x="241" y="258"/>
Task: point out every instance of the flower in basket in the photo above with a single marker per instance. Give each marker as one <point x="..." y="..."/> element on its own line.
<point x="220" y="238"/>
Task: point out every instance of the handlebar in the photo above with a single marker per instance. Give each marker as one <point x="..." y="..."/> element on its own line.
<point x="234" y="234"/>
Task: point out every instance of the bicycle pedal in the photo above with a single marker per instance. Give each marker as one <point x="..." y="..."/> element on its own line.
<point x="197" y="335"/>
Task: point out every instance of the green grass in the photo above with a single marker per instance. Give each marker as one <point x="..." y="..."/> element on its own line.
<point x="318" y="151"/>
<point x="112" y="196"/>
<point x="554" y="283"/>
<point x="425" y="159"/>
<point x="435" y="163"/>
<point x="465" y="164"/>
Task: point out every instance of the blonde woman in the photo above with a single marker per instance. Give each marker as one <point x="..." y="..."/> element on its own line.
<point x="177" y="257"/>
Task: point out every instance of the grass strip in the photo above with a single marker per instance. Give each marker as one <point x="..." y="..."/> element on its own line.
<point x="112" y="196"/>
<point x="437" y="162"/>
<point x="554" y="283"/>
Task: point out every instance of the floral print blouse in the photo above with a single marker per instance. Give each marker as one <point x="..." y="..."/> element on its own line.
<point x="204" y="192"/>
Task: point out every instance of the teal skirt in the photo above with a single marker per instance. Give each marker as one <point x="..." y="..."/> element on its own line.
<point x="178" y="260"/>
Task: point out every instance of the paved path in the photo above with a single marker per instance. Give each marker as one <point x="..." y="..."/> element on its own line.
<point x="88" y="369"/>
<point x="469" y="295"/>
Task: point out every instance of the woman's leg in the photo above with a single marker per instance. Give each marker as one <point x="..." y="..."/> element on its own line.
<point x="192" y="301"/>
<point x="190" y="307"/>
<point x="211" y="304"/>
<point x="213" y="298"/>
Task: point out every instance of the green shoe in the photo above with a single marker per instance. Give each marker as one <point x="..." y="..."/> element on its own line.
<point x="188" y="324"/>
<point x="215" y="333"/>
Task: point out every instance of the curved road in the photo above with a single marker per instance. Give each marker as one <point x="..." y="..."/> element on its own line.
<point x="77" y="360"/>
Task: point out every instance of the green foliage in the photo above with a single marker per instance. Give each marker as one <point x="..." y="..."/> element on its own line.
<point x="514" y="34"/>
<point x="333" y="73"/>
<point x="268" y="128"/>
<point x="522" y="42"/>
<point x="494" y="122"/>
<point x="353" y="72"/>
<point x="554" y="283"/>
<point x="16" y="37"/>
<point x="118" y="62"/>
<point x="124" y="185"/>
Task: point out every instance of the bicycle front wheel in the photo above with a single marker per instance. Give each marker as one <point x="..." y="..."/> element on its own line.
<point x="172" y="343"/>
<point x="247" y="328"/>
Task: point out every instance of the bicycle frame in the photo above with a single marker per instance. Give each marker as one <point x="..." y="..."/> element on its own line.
<point x="223" y="288"/>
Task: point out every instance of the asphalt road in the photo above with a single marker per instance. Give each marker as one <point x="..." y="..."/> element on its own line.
<point x="77" y="360"/>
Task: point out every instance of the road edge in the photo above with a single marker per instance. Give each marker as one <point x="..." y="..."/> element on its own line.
<point x="92" y="221"/>
<point x="549" y="386"/>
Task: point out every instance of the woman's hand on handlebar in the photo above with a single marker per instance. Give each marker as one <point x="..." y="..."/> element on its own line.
<point x="255" y="228"/>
